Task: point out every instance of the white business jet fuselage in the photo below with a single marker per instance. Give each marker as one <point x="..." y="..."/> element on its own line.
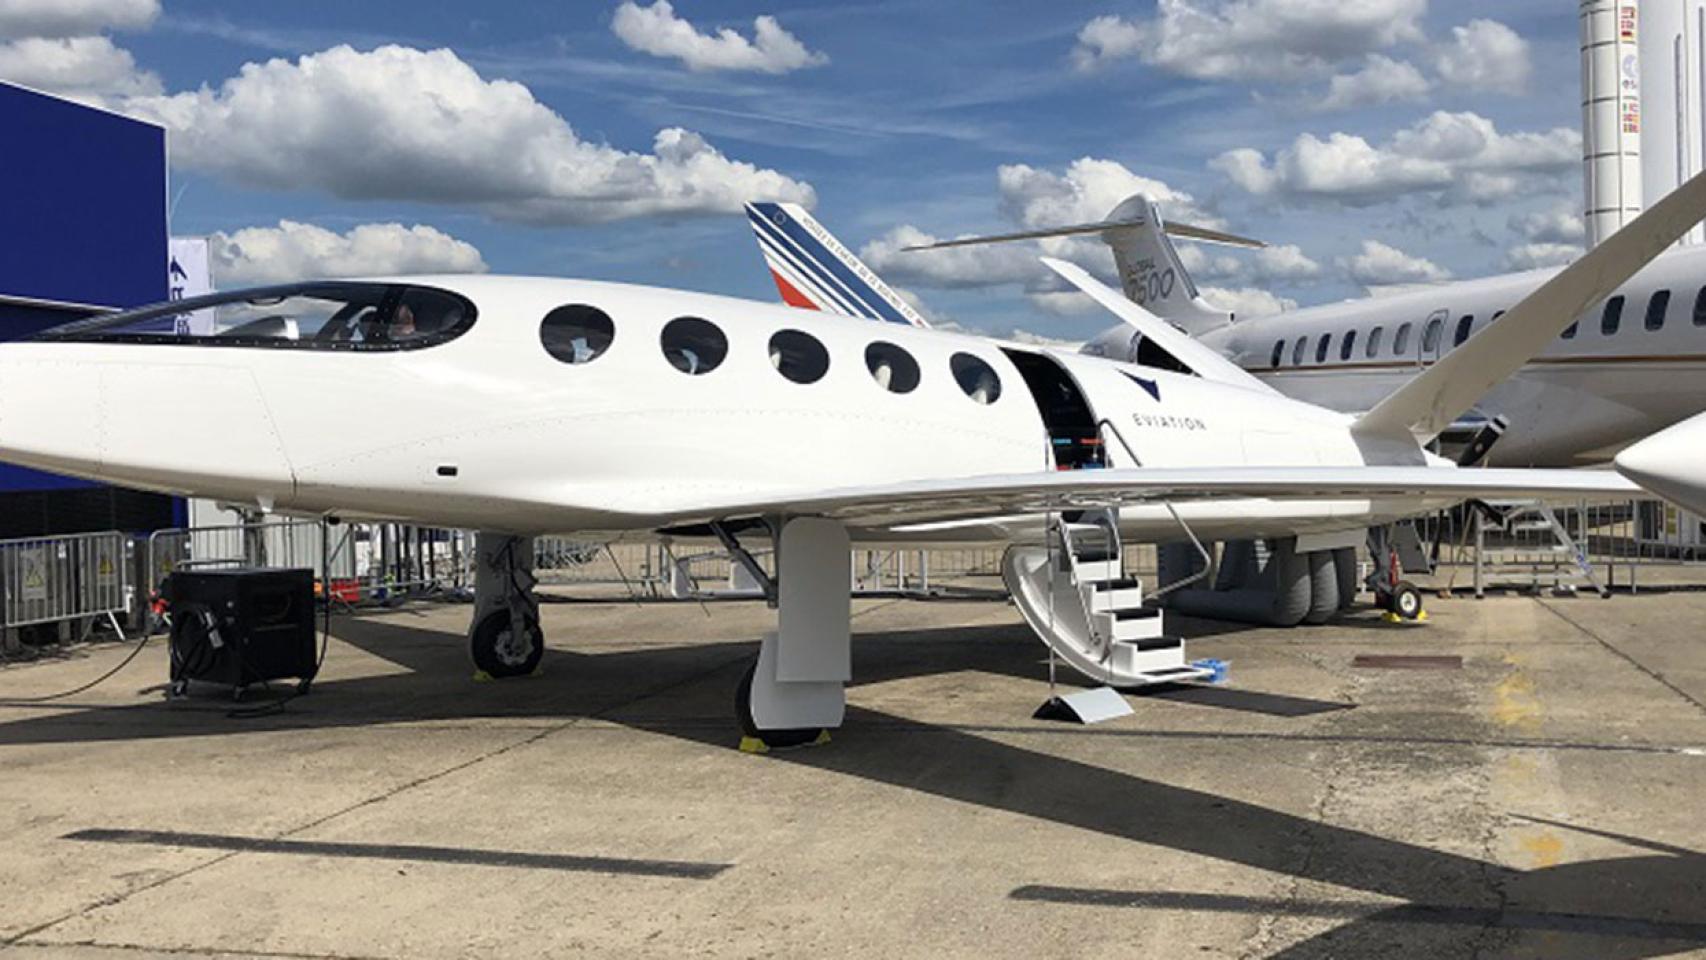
<point x="1632" y="365"/>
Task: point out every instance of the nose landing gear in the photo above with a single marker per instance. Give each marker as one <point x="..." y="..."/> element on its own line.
<point x="504" y="637"/>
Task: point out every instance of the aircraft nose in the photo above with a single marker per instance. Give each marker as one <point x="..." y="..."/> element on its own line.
<point x="1671" y="463"/>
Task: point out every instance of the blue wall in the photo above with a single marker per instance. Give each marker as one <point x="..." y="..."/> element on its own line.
<point x="83" y="220"/>
<point x="82" y="203"/>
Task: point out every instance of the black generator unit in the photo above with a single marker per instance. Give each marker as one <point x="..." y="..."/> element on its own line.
<point x="242" y="626"/>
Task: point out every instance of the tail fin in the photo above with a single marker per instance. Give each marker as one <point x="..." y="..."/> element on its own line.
<point x="814" y="271"/>
<point x="1150" y="270"/>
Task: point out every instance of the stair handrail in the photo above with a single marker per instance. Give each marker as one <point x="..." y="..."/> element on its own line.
<point x="1105" y="422"/>
<point x="1207" y="558"/>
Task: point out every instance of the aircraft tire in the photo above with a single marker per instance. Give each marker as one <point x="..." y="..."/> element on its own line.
<point x="498" y="653"/>
<point x="774" y="739"/>
<point x="1405" y="601"/>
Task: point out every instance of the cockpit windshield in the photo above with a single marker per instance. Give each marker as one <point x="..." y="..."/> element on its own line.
<point x="327" y="315"/>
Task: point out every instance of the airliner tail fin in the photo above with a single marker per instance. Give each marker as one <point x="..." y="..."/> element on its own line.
<point x="813" y="270"/>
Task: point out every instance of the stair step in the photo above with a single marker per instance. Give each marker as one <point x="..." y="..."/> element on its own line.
<point x="1109" y="601"/>
<point x="1097" y="571"/>
<point x="1137" y="613"/>
<point x="1134" y="628"/>
<point x="1124" y="583"/>
<point x="1149" y="656"/>
<point x="1158" y="643"/>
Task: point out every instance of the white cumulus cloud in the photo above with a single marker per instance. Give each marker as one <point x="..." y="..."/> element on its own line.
<point x="404" y="124"/>
<point x="295" y="251"/>
<point x="58" y="19"/>
<point x="1381" y="265"/>
<point x="1087" y="190"/>
<point x="658" y="31"/>
<point x="1251" y="39"/>
<point x="1485" y="55"/>
<point x="1461" y="155"/>
<point x="1558" y="225"/>
<point x="954" y="268"/>
<point x="1247" y="302"/>
<point x="1380" y="80"/>
<point x="85" y="68"/>
<point x="1532" y="256"/>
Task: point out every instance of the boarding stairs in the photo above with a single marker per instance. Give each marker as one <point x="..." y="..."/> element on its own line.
<point x="1073" y="591"/>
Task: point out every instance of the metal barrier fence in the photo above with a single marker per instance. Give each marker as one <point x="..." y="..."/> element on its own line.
<point x="353" y="561"/>
<point x="67" y="578"/>
<point x="1610" y="544"/>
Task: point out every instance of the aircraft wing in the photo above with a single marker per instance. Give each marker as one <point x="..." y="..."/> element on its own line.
<point x="927" y="501"/>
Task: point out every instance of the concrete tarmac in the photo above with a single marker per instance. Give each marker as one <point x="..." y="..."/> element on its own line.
<point x="1544" y="798"/>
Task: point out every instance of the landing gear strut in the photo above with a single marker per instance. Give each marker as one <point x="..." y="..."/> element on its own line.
<point x="796" y="690"/>
<point x="504" y="637"/>
<point x="1398" y="597"/>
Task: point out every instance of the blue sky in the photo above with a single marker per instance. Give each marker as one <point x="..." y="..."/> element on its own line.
<point x="1448" y="144"/>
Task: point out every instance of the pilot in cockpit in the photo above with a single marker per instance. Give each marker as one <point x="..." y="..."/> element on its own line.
<point x="402" y="325"/>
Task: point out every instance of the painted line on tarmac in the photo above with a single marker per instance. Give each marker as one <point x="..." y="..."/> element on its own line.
<point x="467" y="856"/>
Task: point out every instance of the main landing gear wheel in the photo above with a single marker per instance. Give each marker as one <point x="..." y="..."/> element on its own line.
<point x="1404" y="601"/>
<point x="500" y="652"/>
<point x="770" y="739"/>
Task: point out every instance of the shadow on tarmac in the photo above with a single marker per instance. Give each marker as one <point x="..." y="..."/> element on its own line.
<point x="1628" y="907"/>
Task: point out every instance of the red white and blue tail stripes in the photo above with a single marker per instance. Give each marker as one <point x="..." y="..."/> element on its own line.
<point x="815" y="271"/>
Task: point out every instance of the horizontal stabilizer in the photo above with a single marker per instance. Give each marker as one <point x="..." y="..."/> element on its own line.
<point x="1151" y="272"/>
<point x="1430" y="401"/>
<point x="1203" y="361"/>
<point x="1183" y="230"/>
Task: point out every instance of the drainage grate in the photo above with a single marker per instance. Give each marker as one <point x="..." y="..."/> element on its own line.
<point x="1387" y="661"/>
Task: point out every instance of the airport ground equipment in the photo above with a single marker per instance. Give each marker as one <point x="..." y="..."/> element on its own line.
<point x="242" y="626"/>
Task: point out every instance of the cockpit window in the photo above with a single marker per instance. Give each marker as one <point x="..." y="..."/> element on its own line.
<point x="328" y="315"/>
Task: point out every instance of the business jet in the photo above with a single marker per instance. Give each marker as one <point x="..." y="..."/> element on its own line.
<point x="1621" y="372"/>
<point x="524" y="406"/>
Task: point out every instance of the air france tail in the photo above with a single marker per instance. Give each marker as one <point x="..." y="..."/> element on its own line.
<point x="815" y="271"/>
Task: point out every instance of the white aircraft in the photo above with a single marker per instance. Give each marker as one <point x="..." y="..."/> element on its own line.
<point x="1609" y="379"/>
<point x="526" y="406"/>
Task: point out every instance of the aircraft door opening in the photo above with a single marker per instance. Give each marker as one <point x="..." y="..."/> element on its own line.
<point x="1074" y="440"/>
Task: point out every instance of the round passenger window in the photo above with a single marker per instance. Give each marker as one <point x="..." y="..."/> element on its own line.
<point x="693" y="346"/>
<point x="798" y="356"/>
<point x="892" y="368"/>
<point x="576" y="333"/>
<point x="975" y="377"/>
